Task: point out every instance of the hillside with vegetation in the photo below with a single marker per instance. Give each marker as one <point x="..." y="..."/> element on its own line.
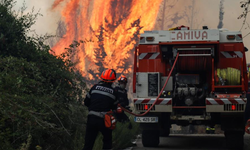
<point x="40" y="94"/>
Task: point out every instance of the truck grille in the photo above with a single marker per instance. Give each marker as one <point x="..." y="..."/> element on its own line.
<point x="234" y="107"/>
<point x="144" y="106"/>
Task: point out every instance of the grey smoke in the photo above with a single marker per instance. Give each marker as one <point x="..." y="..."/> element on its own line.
<point x="221" y="14"/>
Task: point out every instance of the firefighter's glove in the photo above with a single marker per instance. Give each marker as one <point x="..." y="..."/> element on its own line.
<point x="119" y="110"/>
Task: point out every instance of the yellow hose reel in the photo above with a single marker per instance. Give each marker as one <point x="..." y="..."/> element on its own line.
<point x="229" y="76"/>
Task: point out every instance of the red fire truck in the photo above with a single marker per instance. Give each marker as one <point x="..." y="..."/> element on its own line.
<point x="207" y="82"/>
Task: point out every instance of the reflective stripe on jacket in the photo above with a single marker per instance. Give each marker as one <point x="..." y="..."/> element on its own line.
<point x="101" y="98"/>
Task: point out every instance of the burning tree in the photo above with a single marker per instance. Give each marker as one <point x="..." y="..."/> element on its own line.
<point x="124" y="65"/>
<point x="113" y="25"/>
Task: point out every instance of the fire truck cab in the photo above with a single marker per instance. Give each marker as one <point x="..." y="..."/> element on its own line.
<point x="208" y="84"/>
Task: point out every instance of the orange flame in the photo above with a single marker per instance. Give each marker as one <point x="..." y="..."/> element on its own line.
<point x="113" y="26"/>
<point x="56" y="3"/>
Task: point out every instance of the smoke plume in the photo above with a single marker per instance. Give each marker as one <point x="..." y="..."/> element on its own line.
<point x="221" y="14"/>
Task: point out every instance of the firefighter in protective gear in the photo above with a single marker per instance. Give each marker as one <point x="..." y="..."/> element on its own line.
<point x="122" y="92"/>
<point x="100" y="99"/>
<point x="247" y="111"/>
<point x="122" y="97"/>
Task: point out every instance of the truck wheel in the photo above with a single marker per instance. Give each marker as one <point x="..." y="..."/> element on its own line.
<point x="150" y="138"/>
<point x="234" y="140"/>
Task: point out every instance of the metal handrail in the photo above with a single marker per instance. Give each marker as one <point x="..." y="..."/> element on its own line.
<point x="183" y="49"/>
<point x="195" y="54"/>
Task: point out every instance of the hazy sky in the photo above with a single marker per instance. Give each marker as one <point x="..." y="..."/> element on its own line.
<point x="208" y="14"/>
<point x="46" y="23"/>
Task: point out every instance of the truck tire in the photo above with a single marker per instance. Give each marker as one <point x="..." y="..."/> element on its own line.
<point x="234" y="140"/>
<point x="150" y="138"/>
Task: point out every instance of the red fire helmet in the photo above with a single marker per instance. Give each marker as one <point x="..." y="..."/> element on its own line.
<point x="108" y="75"/>
<point x="122" y="79"/>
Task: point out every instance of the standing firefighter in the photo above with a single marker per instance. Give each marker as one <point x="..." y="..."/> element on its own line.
<point x="247" y="110"/>
<point x="122" y="97"/>
<point x="247" y="113"/>
<point x="100" y="100"/>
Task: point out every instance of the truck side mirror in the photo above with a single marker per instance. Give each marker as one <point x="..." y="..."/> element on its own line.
<point x="204" y="27"/>
<point x="246" y="49"/>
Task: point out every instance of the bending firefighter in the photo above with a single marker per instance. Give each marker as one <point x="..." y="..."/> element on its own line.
<point x="122" y="98"/>
<point x="101" y="99"/>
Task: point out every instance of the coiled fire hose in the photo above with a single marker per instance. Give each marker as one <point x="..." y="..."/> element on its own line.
<point x="229" y="76"/>
<point x="139" y="115"/>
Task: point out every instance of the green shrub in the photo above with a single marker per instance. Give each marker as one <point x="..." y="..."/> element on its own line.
<point x="40" y="94"/>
